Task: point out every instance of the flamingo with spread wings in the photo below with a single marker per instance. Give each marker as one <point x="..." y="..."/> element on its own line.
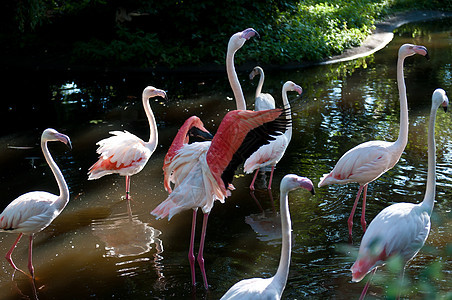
<point x="203" y="171"/>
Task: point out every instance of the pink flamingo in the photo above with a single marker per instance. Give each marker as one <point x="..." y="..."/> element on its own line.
<point x="272" y="288"/>
<point x="32" y="212"/>
<point x="203" y="171"/>
<point x="402" y="228"/>
<point x="368" y="161"/>
<point x="270" y="154"/>
<point x="124" y="153"/>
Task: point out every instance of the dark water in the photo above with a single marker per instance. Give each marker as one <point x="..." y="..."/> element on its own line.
<point x="93" y="250"/>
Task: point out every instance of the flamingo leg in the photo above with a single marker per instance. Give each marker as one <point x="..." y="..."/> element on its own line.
<point x="257" y="201"/>
<point x="10" y="252"/>
<point x="271" y="178"/>
<point x="366" y="287"/>
<point x="201" y="250"/>
<point x="30" y="255"/>
<point x="191" y="255"/>
<point x="254" y="179"/>
<point x="127" y="187"/>
<point x="363" y="211"/>
<point x="350" y="218"/>
<point x="271" y="199"/>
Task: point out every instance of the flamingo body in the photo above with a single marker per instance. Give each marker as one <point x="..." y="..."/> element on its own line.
<point x="272" y="288"/>
<point x="383" y="238"/>
<point x="123" y="153"/>
<point x="363" y="163"/>
<point x="32" y="212"/>
<point x="402" y="228"/>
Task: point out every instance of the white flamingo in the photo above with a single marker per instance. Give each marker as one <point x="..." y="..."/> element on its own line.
<point x="262" y="101"/>
<point x="368" y="161"/>
<point x="32" y="212"/>
<point x="236" y="42"/>
<point x="125" y="153"/>
<point x="273" y="287"/>
<point x="402" y="228"/>
<point x="271" y="154"/>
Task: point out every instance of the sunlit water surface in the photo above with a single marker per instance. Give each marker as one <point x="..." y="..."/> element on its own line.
<point x="95" y="249"/>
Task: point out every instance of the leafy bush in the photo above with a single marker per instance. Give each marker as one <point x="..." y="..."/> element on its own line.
<point x="147" y="33"/>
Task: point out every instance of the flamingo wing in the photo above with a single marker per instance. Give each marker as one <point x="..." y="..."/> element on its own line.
<point x="363" y="164"/>
<point x="240" y="134"/>
<point x="29" y="213"/>
<point x="122" y="153"/>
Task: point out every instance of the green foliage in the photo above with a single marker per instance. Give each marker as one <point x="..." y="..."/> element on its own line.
<point x="146" y="33"/>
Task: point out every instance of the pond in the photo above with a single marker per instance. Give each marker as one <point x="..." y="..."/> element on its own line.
<point x="94" y="250"/>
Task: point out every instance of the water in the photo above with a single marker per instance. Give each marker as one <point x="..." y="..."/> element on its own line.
<point x="95" y="250"/>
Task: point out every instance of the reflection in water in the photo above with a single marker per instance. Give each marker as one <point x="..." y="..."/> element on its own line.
<point x="126" y="236"/>
<point x="267" y="225"/>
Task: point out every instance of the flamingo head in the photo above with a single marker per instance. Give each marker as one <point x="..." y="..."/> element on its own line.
<point x="439" y="97"/>
<point x="410" y="49"/>
<point x="292" y="87"/>
<point x="255" y="72"/>
<point x="292" y="182"/>
<point x="238" y="39"/>
<point x="51" y="135"/>
<point x="197" y="133"/>
<point x="151" y="91"/>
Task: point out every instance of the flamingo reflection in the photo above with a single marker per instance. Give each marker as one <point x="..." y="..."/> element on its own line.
<point x="126" y="236"/>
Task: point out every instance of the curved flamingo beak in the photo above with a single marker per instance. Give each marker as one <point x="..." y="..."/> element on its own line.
<point x="422" y="51"/>
<point x="64" y="139"/>
<point x="249" y="33"/>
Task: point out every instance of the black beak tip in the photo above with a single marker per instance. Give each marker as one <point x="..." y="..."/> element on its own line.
<point x="427" y="56"/>
<point x="445" y="108"/>
<point x="313" y="191"/>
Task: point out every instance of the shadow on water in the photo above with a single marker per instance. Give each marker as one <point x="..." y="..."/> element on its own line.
<point x="98" y="249"/>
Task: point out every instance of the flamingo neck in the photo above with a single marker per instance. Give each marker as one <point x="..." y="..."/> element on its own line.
<point x="261" y="83"/>
<point x="153" y="134"/>
<point x="286" y="103"/>
<point x="63" y="197"/>
<point x="282" y="273"/>
<point x="234" y="80"/>
<point x="430" y="190"/>
<point x="403" y="132"/>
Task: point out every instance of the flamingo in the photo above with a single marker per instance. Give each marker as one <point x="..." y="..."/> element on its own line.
<point x="236" y="42"/>
<point x="203" y="171"/>
<point x="32" y="212"/>
<point x="368" y="161"/>
<point x="402" y="228"/>
<point x="270" y="154"/>
<point x="272" y="288"/>
<point x="262" y="101"/>
<point x="125" y="153"/>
